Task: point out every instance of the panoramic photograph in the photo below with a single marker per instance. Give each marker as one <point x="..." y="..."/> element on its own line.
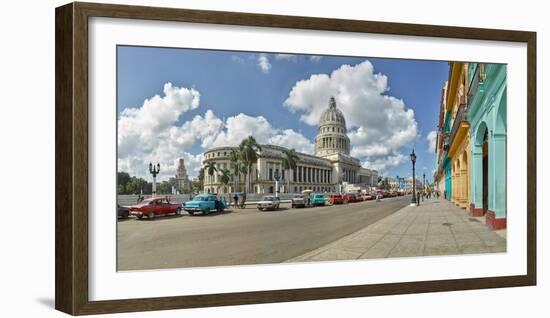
<point x="231" y="158"/>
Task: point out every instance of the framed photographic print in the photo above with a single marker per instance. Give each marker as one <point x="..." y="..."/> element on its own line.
<point x="211" y="158"/>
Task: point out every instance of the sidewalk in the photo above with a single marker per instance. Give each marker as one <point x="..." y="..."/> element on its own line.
<point x="436" y="227"/>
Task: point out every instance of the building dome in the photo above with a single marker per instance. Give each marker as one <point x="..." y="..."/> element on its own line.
<point x="332" y="136"/>
<point x="333" y="115"/>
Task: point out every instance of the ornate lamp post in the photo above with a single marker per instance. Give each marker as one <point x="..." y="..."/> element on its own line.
<point x="413" y="159"/>
<point x="154" y="170"/>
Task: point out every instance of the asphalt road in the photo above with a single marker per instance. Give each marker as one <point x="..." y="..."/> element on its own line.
<point x="241" y="237"/>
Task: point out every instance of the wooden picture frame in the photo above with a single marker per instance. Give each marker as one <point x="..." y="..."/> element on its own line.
<point x="71" y="154"/>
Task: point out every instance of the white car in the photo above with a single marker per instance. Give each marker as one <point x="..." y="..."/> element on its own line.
<point x="269" y="202"/>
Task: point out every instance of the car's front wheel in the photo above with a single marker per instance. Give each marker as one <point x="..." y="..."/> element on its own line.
<point x="151" y="215"/>
<point x="191" y="213"/>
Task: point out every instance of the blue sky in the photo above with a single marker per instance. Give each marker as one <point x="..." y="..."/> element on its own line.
<point x="232" y="82"/>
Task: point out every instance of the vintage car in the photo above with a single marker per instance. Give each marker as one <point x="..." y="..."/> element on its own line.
<point x="350" y="197"/>
<point x="204" y="203"/>
<point x="269" y="202"/>
<point x="298" y="201"/>
<point x="367" y="196"/>
<point x="154" y="207"/>
<point x="317" y="199"/>
<point x="122" y="212"/>
<point x="336" y="199"/>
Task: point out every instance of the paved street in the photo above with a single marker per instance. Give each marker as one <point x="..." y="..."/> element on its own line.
<point x="243" y="236"/>
<point x="437" y="227"/>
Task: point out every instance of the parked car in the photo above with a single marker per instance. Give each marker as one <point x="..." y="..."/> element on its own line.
<point x="204" y="203"/>
<point x="350" y="197"/>
<point x="368" y="196"/>
<point x="154" y="207"/>
<point x="122" y="212"/>
<point x="317" y="199"/>
<point x="269" y="202"/>
<point x="336" y="199"/>
<point x="298" y="201"/>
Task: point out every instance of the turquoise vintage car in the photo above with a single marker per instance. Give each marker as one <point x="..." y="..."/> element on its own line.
<point x="318" y="199"/>
<point x="204" y="203"/>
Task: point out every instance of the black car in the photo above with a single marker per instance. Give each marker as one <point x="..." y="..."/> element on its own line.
<point x="122" y="212"/>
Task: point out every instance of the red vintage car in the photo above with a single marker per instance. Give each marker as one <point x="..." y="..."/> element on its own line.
<point x="154" y="207"/>
<point x="336" y="199"/>
<point x="351" y="197"/>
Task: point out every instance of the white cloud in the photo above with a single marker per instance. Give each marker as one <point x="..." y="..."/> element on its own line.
<point x="315" y="58"/>
<point x="291" y="139"/>
<point x="152" y="133"/>
<point x="138" y="127"/>
<point x="287" y="57"/>
<point x="378" y="123"/>
<point x="263" y="63"/>
<point x="149" y="133"/>
<point x="431" y="137"/>
<point x="241" y="126"/>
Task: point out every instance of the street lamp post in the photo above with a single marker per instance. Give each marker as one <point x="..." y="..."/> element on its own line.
<point x="413" y="160"/>
<point x="154" y="170"/>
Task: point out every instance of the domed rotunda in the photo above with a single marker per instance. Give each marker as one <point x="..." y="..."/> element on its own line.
<point x="332" y="137"/>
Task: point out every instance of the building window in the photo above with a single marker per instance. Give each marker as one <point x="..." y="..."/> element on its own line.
<point x="224" y="153"/>
<point x="294" y="175"/>
<point x="282" y="174"/>
<point x="270" y="177"/>
<point x="295" y="189"/>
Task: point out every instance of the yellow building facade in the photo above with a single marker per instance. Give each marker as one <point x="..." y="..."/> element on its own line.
<point x="459" y="136"/>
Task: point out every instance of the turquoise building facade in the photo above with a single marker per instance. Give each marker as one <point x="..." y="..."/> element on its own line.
<point x="487" y="116"/>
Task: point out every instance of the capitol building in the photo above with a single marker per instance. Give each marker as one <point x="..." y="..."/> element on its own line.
<point x="330" y="169"/>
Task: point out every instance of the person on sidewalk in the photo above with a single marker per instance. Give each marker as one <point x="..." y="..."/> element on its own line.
<point x="417" y="198"/>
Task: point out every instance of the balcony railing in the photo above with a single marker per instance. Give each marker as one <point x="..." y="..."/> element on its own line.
<point x="461" y="116"/>
<point x="477" y="80"/>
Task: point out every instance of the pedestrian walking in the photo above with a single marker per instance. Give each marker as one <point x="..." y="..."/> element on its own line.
<point x="417" y="198"/>
<point x="235" y="199"/>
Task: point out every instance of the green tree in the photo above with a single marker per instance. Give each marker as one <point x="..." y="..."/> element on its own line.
<point x="290" y="160"/>
<point x="210" y="168"/>
<point x="235" y="157"/>
<point x="200" y="179"/>
<point x="164" y="187"/>
<point x="224" y="177"/>
<point x="122" y="182"/>
<point x="249" y="149"/>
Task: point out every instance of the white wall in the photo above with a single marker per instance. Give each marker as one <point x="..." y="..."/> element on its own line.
<point x="27" y="160"/>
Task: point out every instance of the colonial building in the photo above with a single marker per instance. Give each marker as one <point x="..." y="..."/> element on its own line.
<point x="330" y="169"/>
<point x="180" y="182"/>
<point x="442" y="161"/>
<point x="471" y="142"/>
<point x="458" y="138"/>
<point x="487" y="115"/>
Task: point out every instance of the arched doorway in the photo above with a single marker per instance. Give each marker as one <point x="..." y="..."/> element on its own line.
<point x="480" y="171"/>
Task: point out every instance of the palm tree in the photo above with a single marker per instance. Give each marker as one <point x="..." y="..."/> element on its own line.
<point x="289" y="163"/>
<point x="210" y="168"/>
<point x="234" y="157"/>
<point x="224" y="177"/>
<point x="249" y="149"/>
<point x="201" y="178"/>
<point x="244" y="171"/>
